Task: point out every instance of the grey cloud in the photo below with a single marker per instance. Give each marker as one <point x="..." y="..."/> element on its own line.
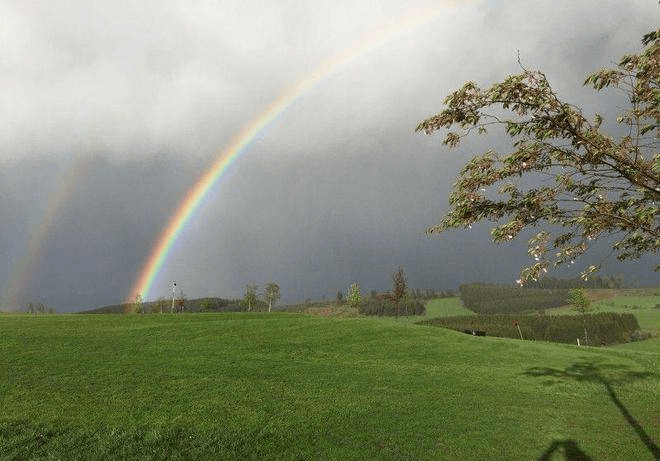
<point x="337" y="189"/>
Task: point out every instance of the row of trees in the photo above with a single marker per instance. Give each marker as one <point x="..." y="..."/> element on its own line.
<point x="138" y="306"/>
<point x="605" y="328"/>
<point x="399" y="301"/>
<point x="595" y="282"/>
<point x="510" y="299"/>
<point x="38" y="308"/>
<point x="253" y="300"/>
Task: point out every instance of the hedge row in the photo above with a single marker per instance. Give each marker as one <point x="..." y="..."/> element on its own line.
<point x="387" y="307"/>
<point x="508" y="299"/>
<point x="603" y="328"/>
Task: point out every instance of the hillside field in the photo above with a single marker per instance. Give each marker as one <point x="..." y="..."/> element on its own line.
<point x="641" y="302"/>
<point x="252" y="386"/>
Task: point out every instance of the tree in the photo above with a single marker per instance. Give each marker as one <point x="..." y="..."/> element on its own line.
<point x="250" y="296"/>
<point x="340" y="298"/>
<point x="181" y="301"/>
<point x="157" y="307"/>
<point x="565" y="176"/>
<point x="580" y="301"/>
<point x="581" y="304"/>
<point x="399" y="285"/>
<point x="207" y="305"/>
<point x="132" y="306"/>
<point x="354" y="296"/>
<point x="38" y="308"/>
<point x="271" y="294"/>
<point x="138" y="306"/>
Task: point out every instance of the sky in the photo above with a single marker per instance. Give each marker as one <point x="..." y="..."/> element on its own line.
<point x="112" y="111"/>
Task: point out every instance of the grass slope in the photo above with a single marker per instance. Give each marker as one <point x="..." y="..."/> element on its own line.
<point x="292" y="387"/>
<point x="639" y="302"/>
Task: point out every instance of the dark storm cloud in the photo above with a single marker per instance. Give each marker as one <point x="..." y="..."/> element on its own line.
<point x="100" y="234"/>
<point x="338" y="189"/>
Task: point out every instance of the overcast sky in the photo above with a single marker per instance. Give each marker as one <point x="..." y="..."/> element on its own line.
<point x="111" y="111"/>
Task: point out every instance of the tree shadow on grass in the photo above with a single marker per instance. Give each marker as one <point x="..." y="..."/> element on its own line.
<point x="606" y="375"/>
<point x="568" y="448"/>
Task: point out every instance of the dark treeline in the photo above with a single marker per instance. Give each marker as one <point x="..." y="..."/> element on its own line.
<point x="593" y="281"/>
<point x="218" y="305"/>
<point x="545" y="293"/>
<point x="508" y="299"/>
<point x="385" y="306"/>
<point x="603" y="328"/>
<point x="164" y="305"/>
<point x="430" y="293"/>
<point x="38" y="308"/>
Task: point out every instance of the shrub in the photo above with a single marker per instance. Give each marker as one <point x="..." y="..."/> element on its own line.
<point x="385" y="306"/>
<point x="579" y="300"/>
<point x="354" y="295"/>
<point x="604" y="328"/>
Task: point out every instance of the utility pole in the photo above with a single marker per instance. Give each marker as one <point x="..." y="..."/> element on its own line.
<point x="173" y="296"/>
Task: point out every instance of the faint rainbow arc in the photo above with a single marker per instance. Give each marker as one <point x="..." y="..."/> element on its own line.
<point x="201" y="189"/>
<point x="22" y="269"/>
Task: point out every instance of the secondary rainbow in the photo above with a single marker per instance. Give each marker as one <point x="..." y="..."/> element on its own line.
<point x="241" y="143"/>
<point x="22" y="268"/>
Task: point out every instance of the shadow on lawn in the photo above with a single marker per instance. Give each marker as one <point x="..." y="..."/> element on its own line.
<point x="568" y="448"/>
<point x="606" y="375"/>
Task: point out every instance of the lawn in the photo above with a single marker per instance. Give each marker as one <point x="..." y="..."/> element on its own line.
<point x="293" y="387"/>
<point x="440" y="307"/>
<point x="446" y="307"/>
<point x="639" y="302"/>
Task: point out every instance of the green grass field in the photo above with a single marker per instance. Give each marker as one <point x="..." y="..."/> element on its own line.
<point x="639" y="302"/>
<point x="441" y="307"/>
<point x="298" y="387"/>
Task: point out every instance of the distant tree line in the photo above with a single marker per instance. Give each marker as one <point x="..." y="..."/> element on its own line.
<point x="400" y="301"/>
<point x="546" y="293"/>
<point x="509" y="299"/>
<point x="593" y="281"/>
<point x="38" y="308"/>
<point x="164" y="305"/>
<point x="384" y="305"/>
<point x="253" y="301"/>
<point x="431" y="293"/>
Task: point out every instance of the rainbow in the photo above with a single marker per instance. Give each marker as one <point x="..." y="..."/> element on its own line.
<point x="243" y="140"/>
<point x="22" y="269"/>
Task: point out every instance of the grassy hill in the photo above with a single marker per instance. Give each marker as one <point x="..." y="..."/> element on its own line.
<point x="641" y="302"/>
<point x="288" y="386"/>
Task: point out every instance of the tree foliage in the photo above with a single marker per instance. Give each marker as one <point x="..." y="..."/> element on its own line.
<point x="138" y="305"/>
<point x="565" y="177"/>
<point x="354" y="297"/>
<point x="250" y="296"/>
<point x="38" y="308"/>
<point x="579" y="301"/>
<point x="488" y="299"/>
<point x="605" y="327"/>
<point x="271" y="294"/>
<point x="399" y="286"/>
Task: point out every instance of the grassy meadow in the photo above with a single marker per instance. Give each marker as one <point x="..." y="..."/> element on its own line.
<point x="249" y="386"/>
<point x="641" y="302"/>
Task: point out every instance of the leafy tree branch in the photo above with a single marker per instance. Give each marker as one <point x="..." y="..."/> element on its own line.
<point x="565" y="176"/>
